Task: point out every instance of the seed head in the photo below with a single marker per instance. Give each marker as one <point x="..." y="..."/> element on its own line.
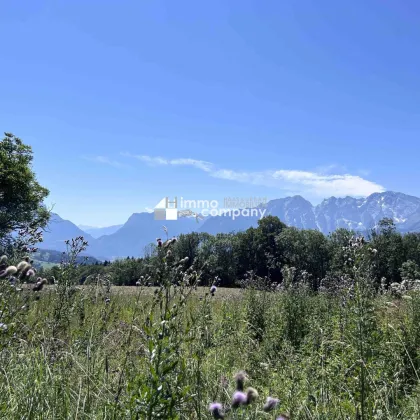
<point x="11" y="270"/>
<point x="39" y="284"/>
<point x="23" y="265"/>
<point x="271" y="404"/>
<point x="251" y="395"/>
<point x="240" y="379"/>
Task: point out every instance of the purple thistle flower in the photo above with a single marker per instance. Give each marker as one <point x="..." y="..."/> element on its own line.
<point x="216" y="410"/>
<point x="213" y="289"/>
<point x="283" y="417"/>
<point x="30" y="272"/>
<point x="239" y="398"/>
<point x="271" y="404"/>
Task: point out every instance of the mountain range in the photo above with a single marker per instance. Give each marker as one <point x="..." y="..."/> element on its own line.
<point x="132" y="238"/>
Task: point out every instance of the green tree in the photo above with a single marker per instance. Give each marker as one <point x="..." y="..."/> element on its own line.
<point x="21" y="196"/>
<point x="391" y="251"/>
<point x="306" y="250"/>
<point x="267" y="249"/>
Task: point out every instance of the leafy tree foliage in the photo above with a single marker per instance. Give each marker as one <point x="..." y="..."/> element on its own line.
<point x="21" y="196"/>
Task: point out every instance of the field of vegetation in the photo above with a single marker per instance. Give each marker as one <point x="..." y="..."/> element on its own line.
<point x="183" y="351"/>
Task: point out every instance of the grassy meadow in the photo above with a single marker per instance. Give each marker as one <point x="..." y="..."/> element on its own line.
<point x="103" y="352"/>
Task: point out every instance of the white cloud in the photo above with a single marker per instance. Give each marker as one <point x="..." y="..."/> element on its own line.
<point x="105" y="160"/>
<point x="152" y="160"/>
<point x="321" y="183"/>
<point x="326" y="185"/>
<point x="199" y="164"/>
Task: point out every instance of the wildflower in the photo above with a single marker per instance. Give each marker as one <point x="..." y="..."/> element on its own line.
<point x="216" y="410"/>
<point x="240" y="378"/>
<point x="138" y="283"/>
<point x="283" y="417"/>
<point x="271" y="404"/>
<point x="251" y="395"/>
<point x="213" y="290"/>
<point x="107" y="301"/>
<point x="30" y="272"/>
<point x="11" y="270"/>
<point x="239" y="398"/>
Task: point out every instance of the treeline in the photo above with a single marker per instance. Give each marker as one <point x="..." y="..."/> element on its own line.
<point x="266" y="250"/>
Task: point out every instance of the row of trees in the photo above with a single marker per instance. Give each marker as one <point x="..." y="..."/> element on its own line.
<point x="267" y="249"/>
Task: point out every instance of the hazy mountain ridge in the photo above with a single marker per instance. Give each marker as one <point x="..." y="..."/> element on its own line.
<point x="360" y="214"/>
<point x="58" y="230"/>
<point x="97" y="232"/>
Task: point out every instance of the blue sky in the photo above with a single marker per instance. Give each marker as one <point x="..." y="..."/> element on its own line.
<point x="127" y="102"/>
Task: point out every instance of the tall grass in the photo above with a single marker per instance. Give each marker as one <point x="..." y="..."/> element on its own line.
<point x="167" y="352"/>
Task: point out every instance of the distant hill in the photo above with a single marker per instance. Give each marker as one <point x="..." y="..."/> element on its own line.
<point x="97" y="232"/>
<point x="52" y="256"/>
<point x="139" y="231"/>
<point x="359" y="214"/>
<point x="47" y="258"/>
<point x="59" y="230"/>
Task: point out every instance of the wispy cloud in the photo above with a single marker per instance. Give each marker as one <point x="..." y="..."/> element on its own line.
<point x="157" y="160"/>
<point x="105" y="160"/>
<point x="321" y="183"/>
